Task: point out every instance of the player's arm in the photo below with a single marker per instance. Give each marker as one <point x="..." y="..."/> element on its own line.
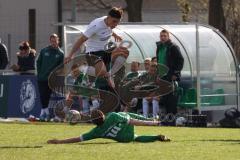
<point x="139" y="117"/>
<point x="137" y="122"/>
<point x="76" y="46"/>
<point x="84" y="137"/>
<point x="69" y="100"/>
<point x="116" y="37"/>
<point x="116" y="117"/>
<point x="64" y="141"/>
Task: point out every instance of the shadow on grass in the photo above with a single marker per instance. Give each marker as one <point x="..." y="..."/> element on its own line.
<point x="214" y="140"/>
<point x="10" y="147"/>
<point x="96" y="143"/>
<point x="232" y="141"/>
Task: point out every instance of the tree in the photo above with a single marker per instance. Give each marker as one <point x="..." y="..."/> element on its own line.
<point x="223" y="15"/>
<point x="133" y="7"/>
<point x="216" y="16"/>
<point x="134" y="10"/>
<point x="185" y="9"/>
<point x="193" y="10"/>
<point x="232" y="12"/>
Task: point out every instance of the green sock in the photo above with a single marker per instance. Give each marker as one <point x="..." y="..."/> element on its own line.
<point x="146" y="138"/>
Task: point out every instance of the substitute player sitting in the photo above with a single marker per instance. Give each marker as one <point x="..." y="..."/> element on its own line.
<point x="115" y="126"/>
<point x="81" y="79"/>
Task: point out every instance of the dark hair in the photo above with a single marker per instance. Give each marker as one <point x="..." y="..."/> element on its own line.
<point x="24" y="46"/>
<point x="138" y="63"/>
<point x="74" y="66"/>
<point x="97" y="117"/>
<point x="54" y="35"/>
<point x="116" y="13"/>
<point x="165" y="31"/>
<point x="153" y="58"/>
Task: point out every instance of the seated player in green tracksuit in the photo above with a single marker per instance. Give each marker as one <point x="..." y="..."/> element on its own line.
<point x="135" y="65"/>
<point x="134" y="71"/>
<point x="81" y="79"/>
<point x="116" y="126"/>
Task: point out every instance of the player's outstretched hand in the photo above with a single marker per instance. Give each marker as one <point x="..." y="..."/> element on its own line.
<point x="117" y="38"/>
<point x="53" y="141"/>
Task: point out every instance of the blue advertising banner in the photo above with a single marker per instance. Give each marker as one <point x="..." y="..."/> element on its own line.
<point x="23" y="98"/>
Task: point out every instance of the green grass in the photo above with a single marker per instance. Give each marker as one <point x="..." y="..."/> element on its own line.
<point x="28" y="141"/>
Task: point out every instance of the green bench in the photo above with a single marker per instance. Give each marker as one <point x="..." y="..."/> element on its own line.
<point x="188" y="100"/>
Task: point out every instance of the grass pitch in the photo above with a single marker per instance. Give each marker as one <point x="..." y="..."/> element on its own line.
<point x="28" y="141"/>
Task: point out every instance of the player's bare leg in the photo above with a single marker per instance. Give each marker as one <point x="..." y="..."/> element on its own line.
<point x="101" y="71"/>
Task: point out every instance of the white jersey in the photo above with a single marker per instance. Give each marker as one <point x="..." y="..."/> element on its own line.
<point x="98" y="34"/>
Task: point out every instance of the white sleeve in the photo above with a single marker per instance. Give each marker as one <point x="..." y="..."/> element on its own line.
<point x="128" y="121"/>
<point x="81" y="138"/>
<point x="91" y="30"/>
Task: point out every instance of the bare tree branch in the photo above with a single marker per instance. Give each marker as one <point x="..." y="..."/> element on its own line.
<point x="107" y="6"/>
<point x="100" y="4"/>
<point x="133" y="8"/>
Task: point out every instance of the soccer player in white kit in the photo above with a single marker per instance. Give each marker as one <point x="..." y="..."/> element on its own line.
<point x="97" y="36"/>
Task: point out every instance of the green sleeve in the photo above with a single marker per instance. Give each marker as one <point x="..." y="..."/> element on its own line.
<point x="139" y="117"/>
<point x="120" y="117"/>
<point x="90" y="135"/>
<point x="79" y="79"/>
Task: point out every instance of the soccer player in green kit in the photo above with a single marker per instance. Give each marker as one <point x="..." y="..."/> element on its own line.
<point x="116" y="126"/>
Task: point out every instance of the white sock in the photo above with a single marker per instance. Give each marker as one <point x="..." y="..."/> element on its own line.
<point x="91" y="71"/>
<point x="118" y="63"/>
<point x="95" y="103"/>
<point x="155" y="106"/>
<point x="145" y="106"/>
<point x="85" y="105"/>
<point x="42" y="112"/>
<point x="46" y="111"/>
<point x="83" y="68"/>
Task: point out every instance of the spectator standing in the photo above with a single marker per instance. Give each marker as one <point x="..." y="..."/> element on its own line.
<point x="49" y="58"/>
<point x="169" y="54"/>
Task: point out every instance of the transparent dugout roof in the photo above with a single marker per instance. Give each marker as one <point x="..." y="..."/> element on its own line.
<point x="218" y="64"/>
<point x="216" y="56"/>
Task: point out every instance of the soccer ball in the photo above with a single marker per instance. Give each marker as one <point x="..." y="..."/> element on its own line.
<point x="180" y="121"/>
<point x="73" y="117"/>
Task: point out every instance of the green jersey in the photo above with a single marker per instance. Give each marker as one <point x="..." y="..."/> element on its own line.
<point x="162" y="54"/>
<point x="81" y="86"/>
<point x="131" y="75"/>
<point x="81" y="80"/>
<point x="147" y="77"/>
<point x="116" y="126"/>
<point x="47" y="61"/>
<point x="101" y="82"/>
